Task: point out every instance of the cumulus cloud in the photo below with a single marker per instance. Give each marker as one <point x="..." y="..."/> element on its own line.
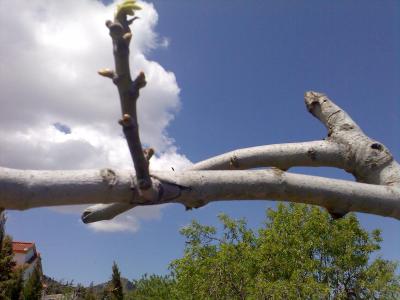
<point x="49" y="56"/>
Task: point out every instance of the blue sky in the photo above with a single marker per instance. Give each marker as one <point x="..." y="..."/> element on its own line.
<point x="242" y="69"/>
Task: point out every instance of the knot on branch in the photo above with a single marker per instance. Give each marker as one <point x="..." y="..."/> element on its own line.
<point x="148" y="153"/>
<point x="116" y="29"/>
<point x="144" y="184"/>
<point x="234" y="162"/>
<point x="109" y="176"/>
<point x="140" y="81"/>
<point x="118" y="78"/>
<point x="374" y="157"/>
<point x="194" y="204"/>
<point x="121" y="36"/>
<point x="126" y="121"/>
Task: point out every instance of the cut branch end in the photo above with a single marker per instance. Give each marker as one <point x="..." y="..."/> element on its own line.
<point x="312" y="98"/>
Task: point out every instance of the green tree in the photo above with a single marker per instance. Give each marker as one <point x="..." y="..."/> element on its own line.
<point x="10" y="276"/>
<point x="299" y="253"/>
<point x="105" y="293"/>
<point x="17" y="287"/>
<point x="2" y="226"/>
<point x="153" y="287"/>
<point x="90" y="294"/>
<point x="33" y="286"/>
<point x="79" y="292"/>
<point x="116" y="284"/>
<point x="7" y="280"/>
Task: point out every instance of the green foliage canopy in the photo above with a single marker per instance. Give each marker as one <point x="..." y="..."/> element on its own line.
<point x="153" y="287"/>
<point x="10" y="276"/>
<point x="33" y="286"/>
<point x="299" y="253"/>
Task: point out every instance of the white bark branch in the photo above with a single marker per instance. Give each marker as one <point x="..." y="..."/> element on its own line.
<point x="368" y="160"/>
<point x="28" y="189"/>
<point x="101" y="212"/>
<point x="281" y="156"/>
<point x="23" y="189"/>
<point x="335" y="195"/>
<point x="346" y="147"/>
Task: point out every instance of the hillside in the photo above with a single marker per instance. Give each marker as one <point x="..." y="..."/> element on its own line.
<point x="54" y="286"/>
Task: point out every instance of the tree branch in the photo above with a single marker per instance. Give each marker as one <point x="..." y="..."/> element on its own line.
<point x="368" y="160"/>
<point x="129" y="93"/>
<point x="100" y="212"/>
<point x="29" y="189"/>
<point x="346" y="147"/>
<point x="281" y="156"/>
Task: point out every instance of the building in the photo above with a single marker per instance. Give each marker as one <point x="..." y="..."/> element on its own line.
<point x="26" y="256"/>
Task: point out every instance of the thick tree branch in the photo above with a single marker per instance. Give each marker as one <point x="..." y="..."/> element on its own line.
<point x="368" y="160"/>
<point x="281" y="156"/>
<point x="28" y="189"/>
<point x="346" y="147"/>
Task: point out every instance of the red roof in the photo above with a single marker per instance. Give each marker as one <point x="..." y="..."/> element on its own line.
<point x="22" y="247"/>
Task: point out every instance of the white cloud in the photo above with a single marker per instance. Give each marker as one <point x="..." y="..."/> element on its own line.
<point x="49" y="56"/>
<point x="124" y="223"/>
<point x="165" y="42"/>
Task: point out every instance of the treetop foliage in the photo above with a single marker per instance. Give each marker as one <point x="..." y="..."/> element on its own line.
<point x="116" y="291"/>
<point x="299" y="253"/>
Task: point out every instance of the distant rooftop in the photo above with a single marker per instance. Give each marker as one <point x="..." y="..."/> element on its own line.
<point x="22" y="247"/>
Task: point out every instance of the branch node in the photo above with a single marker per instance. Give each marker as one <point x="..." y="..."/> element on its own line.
<point x="148" y="153"/>
<point x="377" y="146"/>
<point x="116" y="29"/>
<point x="117" y="78"/>
<point x="109" y="23"/>
<point x="127" y="37"/>
<point x="144" y="184"/>
<point x="234" y="162"/>
<point x="126" y="121"/>
<point x="140" y="80"/>
<point x="109" y="176"/>
<point x="107" y="73"/>
<point x="312" y="154"/>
